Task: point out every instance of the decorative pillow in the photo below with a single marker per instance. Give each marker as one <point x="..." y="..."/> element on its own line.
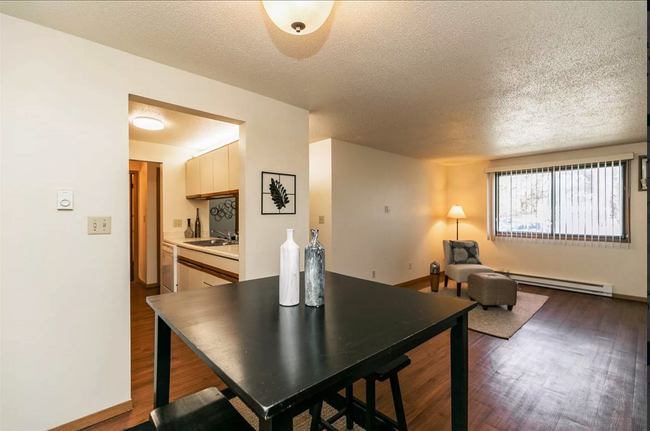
<point x="465" y="252"/>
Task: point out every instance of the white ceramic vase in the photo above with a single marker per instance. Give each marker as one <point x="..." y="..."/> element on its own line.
<point x="289" y="272"/>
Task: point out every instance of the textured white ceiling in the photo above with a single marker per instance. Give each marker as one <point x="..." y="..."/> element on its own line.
<point x="181" y="129"/>
<point x="437" y="80"/>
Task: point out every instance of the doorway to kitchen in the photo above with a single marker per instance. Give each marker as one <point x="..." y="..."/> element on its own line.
<point x="195" y="156"/>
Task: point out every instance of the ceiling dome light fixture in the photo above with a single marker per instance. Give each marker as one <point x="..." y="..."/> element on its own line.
<point x="148" y="123"/>
<point x="298" y="17"/>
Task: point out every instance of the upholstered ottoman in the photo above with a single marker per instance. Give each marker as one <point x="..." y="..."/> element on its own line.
<point x="490" y="288"/>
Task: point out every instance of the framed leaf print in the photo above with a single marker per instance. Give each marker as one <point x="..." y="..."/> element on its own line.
<point x="278" y="193"/>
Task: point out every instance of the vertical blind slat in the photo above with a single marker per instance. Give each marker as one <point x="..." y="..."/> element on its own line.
<point x="591" y="201"/>
<point x="610" y="224"/>
<point x="620" y="195"/>
<point x="598" y="202"/>
<point x="510" y="207"/>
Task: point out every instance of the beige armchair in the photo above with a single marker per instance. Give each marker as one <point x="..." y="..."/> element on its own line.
<point x="460" y="272"/>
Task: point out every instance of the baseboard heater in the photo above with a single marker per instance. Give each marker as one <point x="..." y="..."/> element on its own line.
<point x="556" y="283"/>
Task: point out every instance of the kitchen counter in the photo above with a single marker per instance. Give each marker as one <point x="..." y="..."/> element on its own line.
<point x="227" y="251"/>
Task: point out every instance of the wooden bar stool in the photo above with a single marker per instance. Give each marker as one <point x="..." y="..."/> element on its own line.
<point x="207" y="410"/>
<point x="388" y="371"/>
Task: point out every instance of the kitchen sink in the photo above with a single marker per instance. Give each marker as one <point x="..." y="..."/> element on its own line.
<point x="211" y="242"/>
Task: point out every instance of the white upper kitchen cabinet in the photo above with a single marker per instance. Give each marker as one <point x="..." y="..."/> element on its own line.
<point x="220" y="170"/>
<point x="192" y="177"/>
<point x="212" y="173"/>
<point x="207" y="180"/>
<point x="233" y="166"/>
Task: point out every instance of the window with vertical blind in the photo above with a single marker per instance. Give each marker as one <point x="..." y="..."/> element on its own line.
<point x="586" y="201"/>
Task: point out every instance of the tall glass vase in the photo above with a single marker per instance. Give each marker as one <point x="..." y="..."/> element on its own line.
<point x="314" y="272"/>
<point x="289" y="272"/>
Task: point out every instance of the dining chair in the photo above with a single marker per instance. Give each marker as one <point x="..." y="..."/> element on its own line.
<point x="207" y="410"/>
<point x="388" y="371"/>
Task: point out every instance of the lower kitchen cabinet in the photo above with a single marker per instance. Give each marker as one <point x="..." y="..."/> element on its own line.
<point x="189" y="276"/>
<point x="192" y="276"/>
<point x="211" y="280"/>
<point x="182" y="274"/>
<point x="195" y="278"/>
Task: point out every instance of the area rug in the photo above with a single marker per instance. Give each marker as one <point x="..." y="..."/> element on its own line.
<point x="300" y="423"/>
<point x="497" y="321"/>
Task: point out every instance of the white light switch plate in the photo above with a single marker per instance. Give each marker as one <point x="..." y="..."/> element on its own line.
<point x="65" y="200"/>
<point x="178" y="222"/>
<point x="99" y="225"/>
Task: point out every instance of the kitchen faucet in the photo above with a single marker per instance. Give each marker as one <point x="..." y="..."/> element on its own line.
<point x="227" y="235"/>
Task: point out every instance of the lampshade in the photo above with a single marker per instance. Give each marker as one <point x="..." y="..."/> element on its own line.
<point x="298" y="17"/>
<point x="456" y="212"/>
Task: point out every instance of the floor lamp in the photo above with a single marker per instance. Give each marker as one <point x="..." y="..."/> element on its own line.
<point x="456" y="212"/>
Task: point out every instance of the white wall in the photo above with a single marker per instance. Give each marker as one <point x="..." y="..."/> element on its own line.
<point x="364" y="237"/>
<point x="65" y="304"/>
<point x="278" y="141"/>
<point x="625" y="269"/>
<point x="320" y="194"/>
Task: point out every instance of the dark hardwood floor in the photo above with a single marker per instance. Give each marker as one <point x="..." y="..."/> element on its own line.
<point x="189" y="374"/>
<point x="578" y="364"/>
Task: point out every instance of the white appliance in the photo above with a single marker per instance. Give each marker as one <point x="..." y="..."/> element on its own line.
<point x="169" y="276"/>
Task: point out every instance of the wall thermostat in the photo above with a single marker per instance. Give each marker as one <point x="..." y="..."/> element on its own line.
<point x="65" y="200"/>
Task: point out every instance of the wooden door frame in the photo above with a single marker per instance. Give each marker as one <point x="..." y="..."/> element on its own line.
<point x="134" y="216"/>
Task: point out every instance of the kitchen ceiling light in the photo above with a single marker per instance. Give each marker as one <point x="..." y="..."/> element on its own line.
<point x="148" y="123"/>
<point x="298" y="17"/>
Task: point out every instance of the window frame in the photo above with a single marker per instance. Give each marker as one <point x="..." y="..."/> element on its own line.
<point x="625" y="216"/>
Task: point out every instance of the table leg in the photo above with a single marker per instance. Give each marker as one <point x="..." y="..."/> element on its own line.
<point x="315" y="417"/>
<point x="349" y="408"/>
<point x="161" y="363"/>
<point x="278" y="423"/>
<point x="370" y="404"/>
<point x="459" y="375"/>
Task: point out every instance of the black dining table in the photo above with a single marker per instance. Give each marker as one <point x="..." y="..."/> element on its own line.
<point x="280" y="361"/>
